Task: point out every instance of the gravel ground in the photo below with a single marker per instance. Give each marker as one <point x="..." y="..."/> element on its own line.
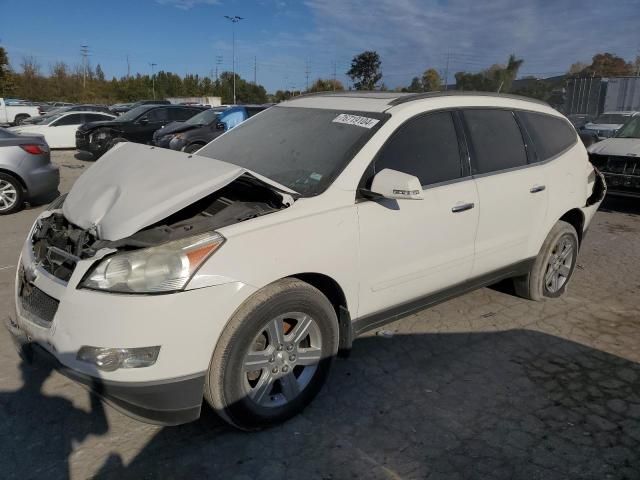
<point x="484" y="386"/>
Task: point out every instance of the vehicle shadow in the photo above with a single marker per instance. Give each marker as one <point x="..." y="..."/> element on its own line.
<point x="512" y="404"/>
<point x="38" y="432"/>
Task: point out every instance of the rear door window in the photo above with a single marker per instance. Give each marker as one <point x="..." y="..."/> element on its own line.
<point x="158" y="115"/>
<point x="426" y="147"/>
<point x="496" y="140"/>
<point x="550" y="135"/>
<point x="73" y="119"/>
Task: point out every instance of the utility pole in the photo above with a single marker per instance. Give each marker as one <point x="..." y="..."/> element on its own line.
<point x="218" y="63"/>
<point x="128" y="67"/>
<point x="446" y="73"/>
<point x="153" y="79"/>
<point x="84" y="51"/>
<point x="234" y="19"/>
<point x="334" y="75"/>
<point x="306" y="73"/>
<point x="255" y="70"/>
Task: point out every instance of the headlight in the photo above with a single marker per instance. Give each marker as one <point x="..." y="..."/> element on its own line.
<point x="57" y="203"/>
<point x="165" y="268"/>
<point x="100" y="135"/>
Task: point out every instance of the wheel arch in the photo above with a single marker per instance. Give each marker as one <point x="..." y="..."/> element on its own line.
<point x="331" y="289"/>
<point x="16" y="176"/>
<point x="575" y="217"/>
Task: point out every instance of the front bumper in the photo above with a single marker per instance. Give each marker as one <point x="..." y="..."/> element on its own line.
<point x="86" y="143"/>
<point x="63" y="318"/>
<point x="170" y="402"/>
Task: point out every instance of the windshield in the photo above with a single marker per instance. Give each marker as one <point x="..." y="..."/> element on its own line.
<point x="301" y="148"/>
<point x="631" y="129"/>
<point x="611" y="118"/>
<point x="134" y="113"/>
<point x="204" y="118"/>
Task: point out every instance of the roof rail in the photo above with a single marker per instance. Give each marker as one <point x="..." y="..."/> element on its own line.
<point x="454" y="93"/>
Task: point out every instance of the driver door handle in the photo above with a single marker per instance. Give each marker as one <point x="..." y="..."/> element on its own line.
<point x="462" y="207"/>
<point x="537" y="188"/>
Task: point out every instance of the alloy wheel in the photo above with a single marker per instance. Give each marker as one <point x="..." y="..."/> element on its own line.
<point x="559" y="265"/>
<point x="8" y="195"/>
<point x="282" y="359"/>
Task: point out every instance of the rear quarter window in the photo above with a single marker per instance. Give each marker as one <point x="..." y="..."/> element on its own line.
<point x="550" y="135"/>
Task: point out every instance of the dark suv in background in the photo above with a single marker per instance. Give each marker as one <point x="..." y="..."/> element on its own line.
<point x="196" y="132"/>
<point x="121" y="108"/>
<point x="137" y="125"/>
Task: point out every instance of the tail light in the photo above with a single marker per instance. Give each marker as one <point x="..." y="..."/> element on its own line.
<point x="34" y="149"/>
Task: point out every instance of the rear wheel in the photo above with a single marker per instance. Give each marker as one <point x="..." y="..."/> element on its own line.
<point x="20" y="118"/>
<point x="274" y="355"/>
<point x="553" y="267"/>
<point x="11" y="194"/>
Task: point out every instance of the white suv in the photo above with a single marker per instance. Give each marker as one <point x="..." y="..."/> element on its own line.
<point x="239" y="273"/>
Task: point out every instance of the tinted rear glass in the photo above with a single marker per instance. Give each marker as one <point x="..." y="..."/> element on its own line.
<point x="496" y="140"/>
<point x="301" y="148"/>
<point x="550" y="135"/>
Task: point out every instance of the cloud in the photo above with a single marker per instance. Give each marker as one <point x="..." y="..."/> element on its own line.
<point x="187" y="4"/>
<point x="411" y="35"/>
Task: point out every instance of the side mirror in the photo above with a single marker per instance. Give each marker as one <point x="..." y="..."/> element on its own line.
<point x="143" y="121"/>
<point x="220" y="126"/>
<point x="397" y="185"/>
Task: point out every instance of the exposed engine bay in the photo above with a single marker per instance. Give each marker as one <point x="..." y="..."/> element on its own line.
<point x="58" y="244"/>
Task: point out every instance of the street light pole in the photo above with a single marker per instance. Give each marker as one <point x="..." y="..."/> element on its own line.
<point x="233" y="19"/>
<point x="153" y="79"/>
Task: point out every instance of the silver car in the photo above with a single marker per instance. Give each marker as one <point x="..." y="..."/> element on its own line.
<point x="26" y="171"/>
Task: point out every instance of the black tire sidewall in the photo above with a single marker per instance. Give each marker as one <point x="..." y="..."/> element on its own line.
<point x="242" y="411"/>
<point x="193" y="148"/>
<point x="20" y="194"/>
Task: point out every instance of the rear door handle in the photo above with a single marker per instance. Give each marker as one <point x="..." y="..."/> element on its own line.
<point x="462" y="207"/>
<point x="537" y="188"/>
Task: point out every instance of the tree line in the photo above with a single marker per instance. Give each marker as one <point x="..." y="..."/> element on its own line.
<point x="88" y="84"/>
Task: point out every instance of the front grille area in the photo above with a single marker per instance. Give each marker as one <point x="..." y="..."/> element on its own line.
<point x="622" y="173"/>
<point x="39" y="307"/>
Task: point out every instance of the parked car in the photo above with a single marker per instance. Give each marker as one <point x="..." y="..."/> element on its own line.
<point x="47" y="107"/>
<point x="607" y="124"/>
<point x="238" y="273"/>
<point x="14" y="113"/>
<point x="26" y="171"/>
<point x="137" y="125"/>
<point x="618" y="158"/>
<point x="120" y="108"/>
<point x="192" y="137"/>
<point x="59" y="130"/>
<point x="67" y="108"/>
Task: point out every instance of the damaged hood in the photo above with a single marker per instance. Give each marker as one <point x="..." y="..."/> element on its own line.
<point x="133" y="186"/>
<point x="620" y="147"/>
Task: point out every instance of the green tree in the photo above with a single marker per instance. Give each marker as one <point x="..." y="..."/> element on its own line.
<point x="414" y="86"/>
<point x="99" y="73"/>
<point x="608" y="65"/>
<point x="365" y="70"/>
<point x="326" y="85"/>
<point x="6" y="75"/>
<point x="431" y="81"/>
<point x="493" y="79"/>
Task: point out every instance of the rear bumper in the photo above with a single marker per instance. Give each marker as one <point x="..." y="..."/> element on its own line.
<point x="43" y="182"/>
<point x="167" y="402"/>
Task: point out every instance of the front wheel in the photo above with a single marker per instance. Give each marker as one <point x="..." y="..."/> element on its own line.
<point x="274" y="355"/>
<point x="193" y="148"/>
<point x="553" y="267"/>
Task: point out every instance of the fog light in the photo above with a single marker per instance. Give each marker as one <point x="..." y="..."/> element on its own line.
<point x="110" y="359"/>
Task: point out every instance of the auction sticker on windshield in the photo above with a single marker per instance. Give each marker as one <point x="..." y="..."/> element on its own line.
<point x="357" y="120"/>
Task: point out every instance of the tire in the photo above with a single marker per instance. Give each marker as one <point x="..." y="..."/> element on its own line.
<point x="555" y="263"/>
<point x="281" y="388"/>
<point x="20" y="118"/>
<point x="11" y="194"/>
<point x="193" y="148"/>
<point x="113" y="142"/>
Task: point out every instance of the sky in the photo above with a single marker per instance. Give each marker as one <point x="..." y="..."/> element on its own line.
<point x="287" y="41"/>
